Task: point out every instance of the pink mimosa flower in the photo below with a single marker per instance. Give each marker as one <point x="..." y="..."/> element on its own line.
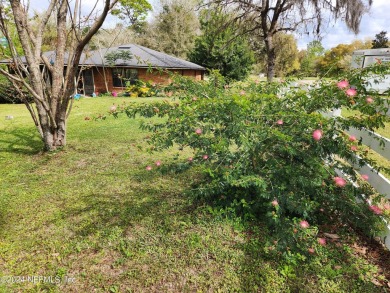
<point x="343" y="84"/>
<point x="279" y="122"/>
<point x="198" y="131"/>
<point x="158" y="163"/>
<point x="351" y="92"/>
<point x="369" y="100"/>
<point x="321" y="241"/>
<point x="304" y="224"/>
<point x="340" y="182"/>
<point x="376" y="210"/>
<point x="311" y="250"/>
<point x="354" y="148"/>
<point x="317" y="134"/>
<point x="205" y="157"/>
<point x="148" y="168"/>
<point x="352" y="138"/>
<point x="190" y="159"/>
<point x="275" y="203"/>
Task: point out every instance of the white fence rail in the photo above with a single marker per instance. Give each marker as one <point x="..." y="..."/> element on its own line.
<point x="373" y="141"/>
<point x="376" y="179"/>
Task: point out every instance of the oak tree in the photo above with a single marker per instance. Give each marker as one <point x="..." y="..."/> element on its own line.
<point x="273" y="16"/>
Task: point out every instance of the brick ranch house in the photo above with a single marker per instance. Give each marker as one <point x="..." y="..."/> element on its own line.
<point x="98" y="76"/>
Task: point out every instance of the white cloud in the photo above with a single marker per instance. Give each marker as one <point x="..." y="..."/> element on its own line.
<point x="375" y="21"/>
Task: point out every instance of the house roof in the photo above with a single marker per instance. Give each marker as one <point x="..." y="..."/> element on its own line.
<point x="142" y="57"/>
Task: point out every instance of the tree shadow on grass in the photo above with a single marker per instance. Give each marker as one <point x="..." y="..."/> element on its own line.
<point x="21" y="140"/>
<point x="101" y="211"/>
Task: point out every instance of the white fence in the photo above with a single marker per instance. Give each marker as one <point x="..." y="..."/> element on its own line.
<point x="376" y="179"/>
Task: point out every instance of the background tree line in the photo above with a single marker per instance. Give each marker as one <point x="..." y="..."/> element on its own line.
<point x="219" y="36"/>
<point x="215" y="36"/>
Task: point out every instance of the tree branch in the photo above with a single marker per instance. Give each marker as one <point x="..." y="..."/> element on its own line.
<point x="95" y="27"/>
<point x="44" y="19"/>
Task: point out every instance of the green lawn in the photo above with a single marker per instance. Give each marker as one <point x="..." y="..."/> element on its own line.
<point x="93" y="213"/>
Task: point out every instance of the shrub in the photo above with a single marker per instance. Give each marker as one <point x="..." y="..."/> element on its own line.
<point x="266" y="150"/>
<point x="142" y="89"/>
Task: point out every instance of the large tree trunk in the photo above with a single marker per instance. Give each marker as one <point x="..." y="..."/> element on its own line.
<point x="271" y="56"/>
<point x="54" y="138"/>
<point x="53" y="134"/>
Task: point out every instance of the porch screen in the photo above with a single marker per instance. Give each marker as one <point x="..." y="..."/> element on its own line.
<point x="123" y="76"/>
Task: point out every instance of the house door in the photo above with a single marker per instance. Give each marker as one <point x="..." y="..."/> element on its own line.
<point x="89" y="86"/>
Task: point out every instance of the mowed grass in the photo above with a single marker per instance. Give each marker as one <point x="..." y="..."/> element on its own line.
<point x="91" y="215"/>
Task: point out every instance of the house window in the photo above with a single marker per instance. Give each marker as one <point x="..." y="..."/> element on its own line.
<point x="124" y="76"/>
